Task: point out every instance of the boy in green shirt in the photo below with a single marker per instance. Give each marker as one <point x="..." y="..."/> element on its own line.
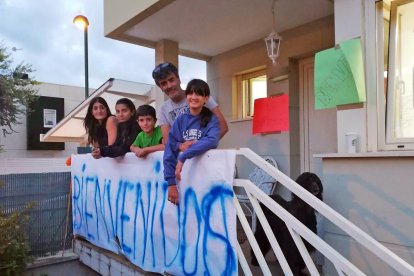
<point x="150" y="138"/>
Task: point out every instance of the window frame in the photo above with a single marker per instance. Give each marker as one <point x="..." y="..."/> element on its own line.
<point x="386" y="139"/>
<point x="243" y="104"/>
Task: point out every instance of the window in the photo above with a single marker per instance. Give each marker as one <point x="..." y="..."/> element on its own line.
<point x="396" y="30"/>
<point x="249" y="86"/>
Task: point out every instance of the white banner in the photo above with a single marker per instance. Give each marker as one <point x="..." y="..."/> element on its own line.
<point x="121" y="205"/>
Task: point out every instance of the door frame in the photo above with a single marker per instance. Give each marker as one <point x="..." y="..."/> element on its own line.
<point x="305" y="65"/>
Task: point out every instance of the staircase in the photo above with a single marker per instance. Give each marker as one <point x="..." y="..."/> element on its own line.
<point x="298" y="230"/>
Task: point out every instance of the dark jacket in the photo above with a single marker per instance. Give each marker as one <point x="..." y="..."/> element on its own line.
<point x="126" y="134"/>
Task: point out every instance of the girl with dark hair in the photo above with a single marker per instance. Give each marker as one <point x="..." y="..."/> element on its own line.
<point x="199" y="125"/>
<point x="100" y="124"/>
<point x="128" y="129"/>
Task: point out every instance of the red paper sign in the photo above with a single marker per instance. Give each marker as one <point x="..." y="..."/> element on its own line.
<point x="271" y="114"/>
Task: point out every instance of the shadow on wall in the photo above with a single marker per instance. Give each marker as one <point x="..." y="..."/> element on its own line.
<point x="377" y="210"/>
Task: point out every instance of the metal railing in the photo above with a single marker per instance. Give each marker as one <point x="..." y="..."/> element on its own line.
<point x="298" y="230"/>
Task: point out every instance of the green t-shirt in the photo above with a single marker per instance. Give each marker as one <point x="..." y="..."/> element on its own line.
<point x="143" y="140"/>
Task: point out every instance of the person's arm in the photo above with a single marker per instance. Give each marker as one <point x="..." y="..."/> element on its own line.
<point x="185" y="145"/>
<point x="114" y="150"/>
<point x="135" y="148"/>
<point x="96" y="153"/>
<point x="170" y="162"/>
<point x="111" y="129"/>
<point x="121" y="147"/>
<point x="165" y="129"/>
<point x="209" y="141"/>
<point x="182" y="146"/>
<point x="223" y="124"/>
<point x="155" y="148"/>
<point x="143" y="152"/>
<point x="173" y="194"/>
<point x="170" y="158"/>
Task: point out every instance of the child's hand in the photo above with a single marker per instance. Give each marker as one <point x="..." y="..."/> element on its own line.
<point x="132" y="148"/>
<point x="184" y="146"/>
<point x="140" y="152"/>
<point x="173" y="194"/>
<point x="178" y="170"/>
<point x="96" y="153"/>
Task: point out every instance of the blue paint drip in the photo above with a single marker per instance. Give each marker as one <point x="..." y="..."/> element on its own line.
<point x="97" y="194"/>
<point x="217" y="192"/>
<point x="124" y="217"/>
<point x="145" y="219"/>
<point x="141" y="203"/>
<point x="138" y="194"/>
<point x="87" y="214"/>
<point x="157" y="166"/>
<point x="75" y="198"/>
<point x="108" y="191"/>
<point x="118" y="195"/>
<point x="152" y="223"/>
<point x="190" y="195"/>
<point x="103" y="208"/>
<point x="164" y="200"/>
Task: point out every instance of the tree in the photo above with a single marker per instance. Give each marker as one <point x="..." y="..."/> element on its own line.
<point x="17" y="91"/>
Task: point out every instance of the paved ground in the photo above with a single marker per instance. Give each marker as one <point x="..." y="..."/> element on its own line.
<point x="60" y="266"/>
<point x="70" y="265"/>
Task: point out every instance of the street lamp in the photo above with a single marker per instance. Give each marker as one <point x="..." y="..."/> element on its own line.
<point x="83" y="22"/>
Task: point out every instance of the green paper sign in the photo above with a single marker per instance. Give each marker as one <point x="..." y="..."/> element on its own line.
<point x="339" y="75"/>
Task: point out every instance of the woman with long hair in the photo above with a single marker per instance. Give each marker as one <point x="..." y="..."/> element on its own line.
<point x="100" y="124"/>
<point x="127" y="130"/>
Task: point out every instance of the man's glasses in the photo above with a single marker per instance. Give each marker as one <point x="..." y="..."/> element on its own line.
<point x="158" y="69"/>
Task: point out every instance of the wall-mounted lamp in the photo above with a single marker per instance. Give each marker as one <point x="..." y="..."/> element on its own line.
<point x="83" y="22"/>
<point x="273" y="39"/>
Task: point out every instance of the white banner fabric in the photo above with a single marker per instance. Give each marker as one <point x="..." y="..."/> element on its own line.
<point x="121" y="205"/>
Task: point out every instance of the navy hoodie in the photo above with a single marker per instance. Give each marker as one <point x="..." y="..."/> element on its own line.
<point x="186" y="128"/>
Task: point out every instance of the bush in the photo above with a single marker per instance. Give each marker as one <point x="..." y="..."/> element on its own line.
<point x="14" y="248"/>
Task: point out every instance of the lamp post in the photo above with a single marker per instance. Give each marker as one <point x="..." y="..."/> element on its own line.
<point x="83" y="22"/>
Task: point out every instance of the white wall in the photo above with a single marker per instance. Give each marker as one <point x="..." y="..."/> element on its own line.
<point x="374" y="191"/>
<point x="115" y="13"/>
<point x="15" y="144"/>
<point x="297" y="43"/>
<point x="376" y="194"/>
<point x="348" y="25"/>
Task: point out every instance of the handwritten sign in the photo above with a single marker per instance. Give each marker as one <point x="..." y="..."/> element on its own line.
<point x="339" y="75"/>
<point x="121" y="205"/>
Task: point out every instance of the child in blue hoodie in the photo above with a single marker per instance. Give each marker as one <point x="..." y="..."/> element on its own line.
<point x="199" y="126"/>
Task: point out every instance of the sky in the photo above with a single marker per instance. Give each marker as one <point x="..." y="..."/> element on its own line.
<point x="43" y="34"/>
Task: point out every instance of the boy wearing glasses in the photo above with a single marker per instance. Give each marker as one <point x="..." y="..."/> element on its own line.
<point x="167" y="79"/>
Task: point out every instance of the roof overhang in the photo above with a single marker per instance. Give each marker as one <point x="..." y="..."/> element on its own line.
<point x="71" y="129"/>
<point x="204" y="29"/>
